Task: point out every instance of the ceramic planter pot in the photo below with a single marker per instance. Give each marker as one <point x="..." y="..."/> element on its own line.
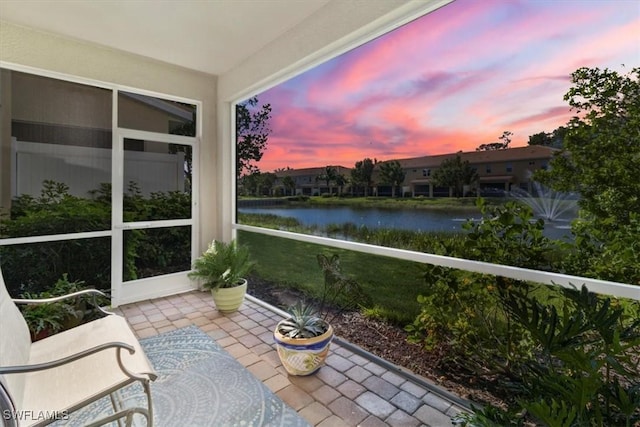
<point x="229" y="299"/>
<point x="303" y="356"/>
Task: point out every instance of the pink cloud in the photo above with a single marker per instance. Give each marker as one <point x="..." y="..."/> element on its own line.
<point x="449" y="81"/>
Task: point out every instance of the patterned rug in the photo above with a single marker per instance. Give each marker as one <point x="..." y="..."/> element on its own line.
<point x="199" y="384"/>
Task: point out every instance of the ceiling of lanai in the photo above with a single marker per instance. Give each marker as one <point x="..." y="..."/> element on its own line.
<point x="212" y="36"/>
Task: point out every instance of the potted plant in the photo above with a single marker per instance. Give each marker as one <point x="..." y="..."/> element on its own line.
<point x="303" y="339"/>
<point x="222" y="269"/>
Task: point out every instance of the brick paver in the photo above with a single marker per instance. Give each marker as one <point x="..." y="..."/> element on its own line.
<point x="351" y="390"/>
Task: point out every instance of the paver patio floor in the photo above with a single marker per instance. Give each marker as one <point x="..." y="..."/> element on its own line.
<point x="351" y="390"/>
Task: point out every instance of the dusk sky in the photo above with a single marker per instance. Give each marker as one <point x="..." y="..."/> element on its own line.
<point x="449" y="81"/>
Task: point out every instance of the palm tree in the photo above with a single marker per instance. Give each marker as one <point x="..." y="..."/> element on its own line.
<point x="341" y="180"/>
<point x="330" y="174"/>
<point x="266" y="183"/>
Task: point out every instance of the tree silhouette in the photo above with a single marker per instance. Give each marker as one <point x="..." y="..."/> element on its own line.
<point x="328" y="176"/>
<point x="252" y="133"/>
<point x="289" y="184"/>
<point x="361" y="174"/>
<point x="553" y="139"/>
<point x="391" y="173"/>
<point x="503" y="145"/>
<point x="454" y="174"/>
<point x="601" y="154"/>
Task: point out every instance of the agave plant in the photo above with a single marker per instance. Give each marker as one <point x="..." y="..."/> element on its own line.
<point x="302" y="323"/>
<point x="307" y="320"/>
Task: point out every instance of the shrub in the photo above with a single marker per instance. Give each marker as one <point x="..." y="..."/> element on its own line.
<point x="50" y="318"/>
<point x="606" y="254"/>
<point x="464" y="309"/>
<point x="584" y="367"/>
<point x="563" y="357"/>
<point x="33" y="267"/>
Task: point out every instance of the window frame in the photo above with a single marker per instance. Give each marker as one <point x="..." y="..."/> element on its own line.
<point x="354" y="41"/>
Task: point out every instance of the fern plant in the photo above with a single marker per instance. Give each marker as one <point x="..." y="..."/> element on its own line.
<point x="222" y="265"/>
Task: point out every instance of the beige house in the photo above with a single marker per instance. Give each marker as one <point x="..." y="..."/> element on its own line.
<point x="498" y="170"/>
<point x="308" y="181"/>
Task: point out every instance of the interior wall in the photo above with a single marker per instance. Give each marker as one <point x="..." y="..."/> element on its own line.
<point x="28" y="48"/>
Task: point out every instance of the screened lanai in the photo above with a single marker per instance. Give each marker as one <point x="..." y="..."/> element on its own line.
<point x="125" y="100"/>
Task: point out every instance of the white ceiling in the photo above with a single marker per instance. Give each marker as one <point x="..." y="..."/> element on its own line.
<point x="212" y="36"/>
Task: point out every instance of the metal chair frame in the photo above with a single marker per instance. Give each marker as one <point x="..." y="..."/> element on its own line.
<point x="9" y="412"/>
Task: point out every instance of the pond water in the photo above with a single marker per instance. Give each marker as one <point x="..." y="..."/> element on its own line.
<point x="407" y="219"/>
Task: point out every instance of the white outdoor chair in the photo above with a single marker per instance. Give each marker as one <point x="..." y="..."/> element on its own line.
<point x="53" y="377"/>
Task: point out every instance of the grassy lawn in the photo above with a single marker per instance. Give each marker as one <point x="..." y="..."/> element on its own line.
<point x="392" y="285"/>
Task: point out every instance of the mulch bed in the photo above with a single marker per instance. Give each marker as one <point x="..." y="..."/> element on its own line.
<point x="390" y="343"/>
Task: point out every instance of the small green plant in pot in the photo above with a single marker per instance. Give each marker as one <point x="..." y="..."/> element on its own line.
<point x="222" y="269"/>
<point x="303" y="339"/>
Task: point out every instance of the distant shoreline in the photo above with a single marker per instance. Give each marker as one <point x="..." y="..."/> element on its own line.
<point x="440" y="203"/>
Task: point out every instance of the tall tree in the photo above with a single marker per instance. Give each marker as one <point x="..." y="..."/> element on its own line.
<point x="505" y="140"/>
<point x="362" y="174"/>
<point x="250" y="184"/>
<point x="455" y="174"/>
<point x="252" y="133"/>
<point x="289" y="184"/>
<point x="553" y="139"/>
<point x="601" y="156"/>
<point x="601" y="161"/>
<point x="341" y="181"/>
<point x="187" y="128"/>
<point x="267" y="180"/>
<point x="391" y="173"/>
<point x="328" y="176"/>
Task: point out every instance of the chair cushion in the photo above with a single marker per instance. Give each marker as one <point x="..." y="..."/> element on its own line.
<point x="68" y="386"/>
<point x="15" y="342"/>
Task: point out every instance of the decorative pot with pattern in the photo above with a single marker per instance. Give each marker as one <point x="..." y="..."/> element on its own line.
<point x="303" y="356"/>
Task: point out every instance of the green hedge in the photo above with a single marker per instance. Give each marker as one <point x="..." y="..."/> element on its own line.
<point x="35" y="267"/>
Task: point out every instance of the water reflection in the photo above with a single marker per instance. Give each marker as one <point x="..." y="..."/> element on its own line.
<point x="400" y="219"/>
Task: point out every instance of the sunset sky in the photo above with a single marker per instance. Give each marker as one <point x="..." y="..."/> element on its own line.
<point x="449" y="81"/>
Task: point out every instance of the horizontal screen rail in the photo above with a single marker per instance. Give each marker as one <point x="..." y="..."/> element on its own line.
<point x="604" y="287"/>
